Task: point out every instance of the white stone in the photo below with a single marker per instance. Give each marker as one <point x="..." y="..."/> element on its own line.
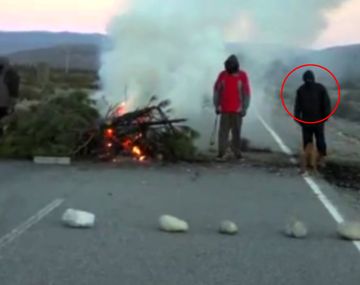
<point x="78" y="219"/>
<point x="52" y="160"/>
<point x="228" y="227"/>
<point x="169" y="223"/>
<point x="349" y="230"/>
<point x="63" y="160"/>
<point x="296" y="229"/>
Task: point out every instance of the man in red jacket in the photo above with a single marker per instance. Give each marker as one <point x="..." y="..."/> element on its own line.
<point x="231" y="101"/>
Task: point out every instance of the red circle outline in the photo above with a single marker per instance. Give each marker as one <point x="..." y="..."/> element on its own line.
<point x="283" y="87"/>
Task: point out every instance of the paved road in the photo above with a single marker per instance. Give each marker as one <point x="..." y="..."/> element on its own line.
<point x="126" y="248"/>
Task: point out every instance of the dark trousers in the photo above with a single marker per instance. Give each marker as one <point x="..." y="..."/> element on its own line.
<point x="230" y="123"/>
<point x="3" y="113"/>
<point x="317" y="131"/>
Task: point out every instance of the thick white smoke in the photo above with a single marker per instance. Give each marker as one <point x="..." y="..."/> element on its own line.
<point x="175" y="48"/>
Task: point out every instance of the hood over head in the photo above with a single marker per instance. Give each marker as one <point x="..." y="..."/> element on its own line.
<point x="309" y="76"/>
<point x="232" y="64"/>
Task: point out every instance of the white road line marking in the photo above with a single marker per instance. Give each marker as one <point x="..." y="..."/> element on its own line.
<point x="276" y="137"/>
<point x="330" y="207"/>
<point x="326" y="202"/>
<point x="22" y="228"/>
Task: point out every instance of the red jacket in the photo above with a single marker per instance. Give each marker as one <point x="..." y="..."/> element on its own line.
<point x="232" y="92"/>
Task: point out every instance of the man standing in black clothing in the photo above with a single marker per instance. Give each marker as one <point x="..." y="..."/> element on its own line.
<point x="9" y="88"/>
<point x="313" y="104"/>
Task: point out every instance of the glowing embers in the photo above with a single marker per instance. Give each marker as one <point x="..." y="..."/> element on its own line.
<point x="133" y="149"/>
<point x="138" y="153"/>
<point x="109" y="133"/>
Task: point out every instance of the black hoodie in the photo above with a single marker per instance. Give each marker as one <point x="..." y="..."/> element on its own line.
<point x="312" y="100"/>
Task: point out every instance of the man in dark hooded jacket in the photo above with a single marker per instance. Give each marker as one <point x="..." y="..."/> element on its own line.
<point x="9" y="87"/>
<point x="313" y="104"/>
<point x="231" y="101"/>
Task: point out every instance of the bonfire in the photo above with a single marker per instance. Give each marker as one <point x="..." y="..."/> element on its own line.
<point x="146" y="133"/>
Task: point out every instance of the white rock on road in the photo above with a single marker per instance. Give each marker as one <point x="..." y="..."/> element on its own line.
<point x="349" y="230"/>
<point x="169" y="223"/>
<point x="228" y="227"/>
<point x="78" y="219"/>
<point x="296" y="229"/>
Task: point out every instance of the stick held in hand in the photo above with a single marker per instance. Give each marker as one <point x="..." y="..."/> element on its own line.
<point x="213" y="134"/>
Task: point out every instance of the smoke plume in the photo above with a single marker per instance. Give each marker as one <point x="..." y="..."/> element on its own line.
<point x="174" y="49"/>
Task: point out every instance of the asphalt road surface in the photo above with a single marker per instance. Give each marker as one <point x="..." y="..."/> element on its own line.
<point x="126" y="247"/>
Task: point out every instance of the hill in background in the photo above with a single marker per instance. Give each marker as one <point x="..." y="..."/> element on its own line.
<point x="11" y="42"/>
<point x="343" y="61"/>
<point x="81" y="56"/>
<point x="81" y="51"/>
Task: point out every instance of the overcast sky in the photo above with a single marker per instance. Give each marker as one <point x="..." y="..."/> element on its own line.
<point x="93" y="16"/>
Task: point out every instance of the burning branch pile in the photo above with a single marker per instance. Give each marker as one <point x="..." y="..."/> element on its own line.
<point x="147" y="133"/>
<point x="70" y="125"/>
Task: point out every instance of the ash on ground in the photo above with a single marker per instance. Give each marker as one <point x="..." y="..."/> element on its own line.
<point x="343" y="174"/>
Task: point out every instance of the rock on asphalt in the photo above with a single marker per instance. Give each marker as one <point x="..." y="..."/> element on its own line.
<point x="296" y="229"/>
<point x="169" y="223"/>
<point x="349" y="230"/>
<point x="228" y="227"/>
<point x="78" y="219"/>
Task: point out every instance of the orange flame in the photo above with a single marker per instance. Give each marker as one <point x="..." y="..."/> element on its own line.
<point x="137" y="151"/>
<point x="138" y="154"/>
<point x="109" y="132"/>
<point x="120" y="109"/>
